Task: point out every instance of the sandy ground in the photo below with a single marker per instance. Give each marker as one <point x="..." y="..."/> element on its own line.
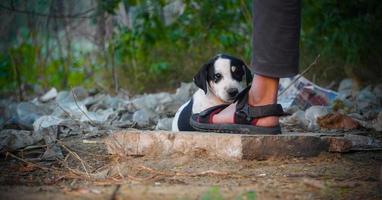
<point x="88" y="172"/>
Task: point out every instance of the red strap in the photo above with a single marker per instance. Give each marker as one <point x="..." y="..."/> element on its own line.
<point x="254" y="121"/>
<point x="212" y="115"/>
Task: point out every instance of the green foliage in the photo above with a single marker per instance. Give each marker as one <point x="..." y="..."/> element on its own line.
<point x="212" y="194"/>
<point x="152" y="55"/>
<point x="346" y="34"/>
<point x="155" y="56"/>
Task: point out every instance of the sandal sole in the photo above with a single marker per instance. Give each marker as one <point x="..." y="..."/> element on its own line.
<point x="235" y="128"/>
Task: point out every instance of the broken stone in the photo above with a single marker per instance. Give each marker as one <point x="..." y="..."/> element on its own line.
<point x="164" y="103"/>
<point x="73" y="127"/>
<point x="338" y="144"/>
<point x="337" y="121"/>
<point x="25" y="113"/>
<point x="164" y="124"/>
<point x="51" y="94"/>
<point x="297" y="119"/>
<point x="99" y="116"/>
<point x="224" y="146"/>
<point x="361" y="142"/>
<point x="366" y="100"/>
<point x="151" y="101"/>
<point x="121" y="118"/>
<point x="103" y="102"/>
<point x="45" y="122"/>
<point x="143" y="117"/>
<point x="53" y="151"/>
<point x="314" y="112"/>
<point x="377" y="125"/>
<point x="15" y="139"/>
<point x="345" y="89"/>
<point x="79" y="92"/>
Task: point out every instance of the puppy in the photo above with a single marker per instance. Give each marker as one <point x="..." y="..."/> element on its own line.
<point x="220" y="80"/>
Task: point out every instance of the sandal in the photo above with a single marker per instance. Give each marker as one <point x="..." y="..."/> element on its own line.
<point x="245" y="118"/>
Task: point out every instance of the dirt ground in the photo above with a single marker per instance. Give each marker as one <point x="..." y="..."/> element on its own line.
<point x="88" y="172"/>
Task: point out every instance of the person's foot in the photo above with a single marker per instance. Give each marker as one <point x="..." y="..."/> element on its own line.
<point x="263" y="91"/>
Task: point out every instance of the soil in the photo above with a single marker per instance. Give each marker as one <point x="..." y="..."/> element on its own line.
<point x="88" y="172"/>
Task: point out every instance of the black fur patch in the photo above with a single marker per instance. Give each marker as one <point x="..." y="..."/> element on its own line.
<point x="207" y="72"/>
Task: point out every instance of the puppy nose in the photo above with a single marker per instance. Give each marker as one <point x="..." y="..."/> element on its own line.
<point x="232" y="92"/>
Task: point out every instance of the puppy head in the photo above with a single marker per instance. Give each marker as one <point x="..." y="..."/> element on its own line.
<point x="223" y="76"/>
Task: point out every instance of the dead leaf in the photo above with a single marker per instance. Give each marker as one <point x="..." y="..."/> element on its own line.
<point x="337" y="121"/>
<point x="27" y="167"/>
<point x="313" y="183"/>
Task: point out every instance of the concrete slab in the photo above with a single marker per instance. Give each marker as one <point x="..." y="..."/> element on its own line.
<point x="224" y="146"/>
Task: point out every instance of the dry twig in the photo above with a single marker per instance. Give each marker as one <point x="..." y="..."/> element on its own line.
<point x="76" y="156"/>
<point x="83" y="112"/>
<point x="301" y="74"/>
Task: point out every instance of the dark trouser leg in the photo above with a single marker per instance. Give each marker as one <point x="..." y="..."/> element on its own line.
<point x="276" y="37"/>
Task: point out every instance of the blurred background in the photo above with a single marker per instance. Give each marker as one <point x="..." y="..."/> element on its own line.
<point x="153" y="45"/>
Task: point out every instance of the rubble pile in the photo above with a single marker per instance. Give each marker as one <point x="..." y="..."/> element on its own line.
<point x="313" y="108"/>
<point x="59" y="114"/>
<point x="79" y="112"/>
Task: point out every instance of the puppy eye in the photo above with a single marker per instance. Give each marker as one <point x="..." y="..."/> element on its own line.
<point x="217" y="77"/>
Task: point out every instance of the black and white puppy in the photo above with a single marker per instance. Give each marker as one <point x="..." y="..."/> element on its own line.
<point x="220" y="80"/>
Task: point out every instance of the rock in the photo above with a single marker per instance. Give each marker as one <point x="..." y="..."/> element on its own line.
<point x="356" y="116"/>
<point x="143" y="117"/>
<point x="104" y="102"/>
<point x="314" y="112"/>
<point x="99" y="116"/>
<point x="338" y="144"/>
<point x="366" y="100"/>
<point x="74" y="127"/>
<point x="378" y="123"/>
<point x="121" y="118"/>
<point x="71" y="110"/>
<point x="297" y="119"/>
<point x="337" y="121"/>
<point x="51" y="94"/>
<point x="164" y="103"/>
<point x="345" y="89"/>
<point x="53" y="151"/>
<point x="15" y="139"/>
<point x="224" y="146"/>
<point x="151" y="101"/>
<point x="185" y="91"/>
<point x="313" y="183"/>
<point x="370" y="115"/>
<point x="292" y="109"/>
<point x="361" y="142"/>
<point x="45" y="122"/>
<point x="23" y="115"/>
<point x="5" y="115"/>
<point x="164" y="124"/>
<point x="79" y="93"/>
<point x="76" y="94"/>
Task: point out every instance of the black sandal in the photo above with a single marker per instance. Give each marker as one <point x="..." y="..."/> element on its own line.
<point x="245" y="118"/>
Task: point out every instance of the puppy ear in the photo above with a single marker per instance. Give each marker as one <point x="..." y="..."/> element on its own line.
<point x="201" y="78"/>
<point x="248" y="74"/>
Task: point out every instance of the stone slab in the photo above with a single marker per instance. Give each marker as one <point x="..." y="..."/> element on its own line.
<point x="224" y="146"/>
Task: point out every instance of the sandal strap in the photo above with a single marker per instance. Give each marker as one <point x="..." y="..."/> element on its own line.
<point x="245" y="113"/>
<point x="261" y="111"/>
<point x="205" y="116"/>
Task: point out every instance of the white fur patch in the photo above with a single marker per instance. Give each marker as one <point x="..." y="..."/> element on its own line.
<point x="233" y="68"/>
<point x="217" y="93"/>
<point x="223" y="66"/>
